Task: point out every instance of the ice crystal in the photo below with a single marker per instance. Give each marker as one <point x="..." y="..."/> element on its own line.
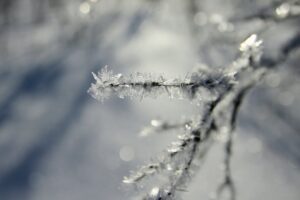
<point x="250" y="44"/>
<point x="105" y="84"/>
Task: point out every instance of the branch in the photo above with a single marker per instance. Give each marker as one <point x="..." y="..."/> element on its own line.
<point x="179" y="162"/>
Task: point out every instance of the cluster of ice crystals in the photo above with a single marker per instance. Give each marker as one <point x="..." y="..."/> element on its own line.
<point x="197" y="87"/>
<point x="251" y="44"/>
<point x="251" y="52"/>
<point x="104" y="85"/>
<point x="159" y="193"/>
<point x="133" y="178"/>
<point x="142" y="173"/>
<point x="287" y="9"/>
<point x="171" y="162"/>
<point x="136" y="85"/>
<point x="283" y="10"/>
<point x="176" y="147"/>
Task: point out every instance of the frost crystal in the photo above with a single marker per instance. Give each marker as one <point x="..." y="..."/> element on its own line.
<point x="105" y="85"/>
<point x="251" y="44"/>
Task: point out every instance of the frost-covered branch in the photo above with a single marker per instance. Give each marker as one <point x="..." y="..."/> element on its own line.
<point x="233" y="102"/>
<point x="197" y="142"/>
<point x="199" y="85"/>
<point x="147" y="85"/>
<point x="183" y="157"/>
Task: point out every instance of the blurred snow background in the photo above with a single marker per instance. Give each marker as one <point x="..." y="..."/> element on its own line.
<point x="56" y="142"/>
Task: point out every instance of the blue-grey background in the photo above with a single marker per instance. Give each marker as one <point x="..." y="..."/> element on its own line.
<point x="56" y="142"/>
